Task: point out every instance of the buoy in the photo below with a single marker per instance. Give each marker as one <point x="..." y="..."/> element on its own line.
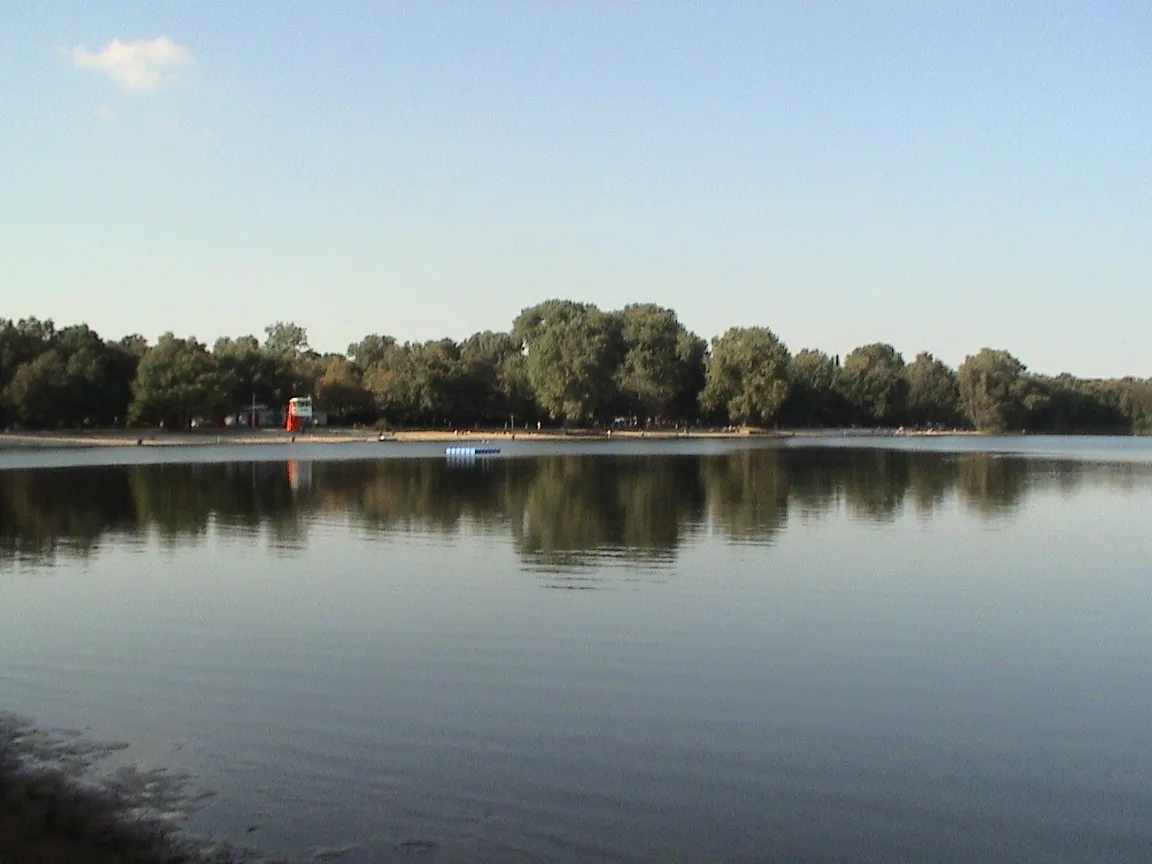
<point x="471" y="451"/>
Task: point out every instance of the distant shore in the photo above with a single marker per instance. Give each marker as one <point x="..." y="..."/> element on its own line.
<point x="340" y="435"/>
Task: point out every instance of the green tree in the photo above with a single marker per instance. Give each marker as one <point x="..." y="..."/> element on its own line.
<point x="125" y="355"/>
<point x="250" y="372"/>
<point x="176" y="381"/>
<point x="516" y="390"/>
<point x="815" y="399"/>
<point x="747" y="375"/>
<point x="572" y="353"/>
<point x="20" y="342"/>
<point x="36" y="392"/>
<point x="933" y="396"/>
<point x="662" y="365"/>
<point x="872" y="379"/>
<point x="424" y="384"/>
<point x="243" y="369"/>
<point x="340" y="390"/>
<point x="495" y="365"/>
<point x="691" y="356"/>
<point x="1067" y="404"/>
<point x="134" y="345"/>
<point x="370" y="350"/>
<point x="293" y="364"/>
<point x="99" y="378"/>
<point x="388" y="379"/>
<point x="1133" y="397"/>
<point x="995" y="393"/>
<point x="75" y="380"/>
<point x="439" y="386"/>
<point x="286" y="337"/>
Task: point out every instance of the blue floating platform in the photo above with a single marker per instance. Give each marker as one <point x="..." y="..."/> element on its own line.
<point x="471" y="451"/>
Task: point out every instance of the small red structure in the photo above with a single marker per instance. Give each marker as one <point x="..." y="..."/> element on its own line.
<point x="299" y="413"/>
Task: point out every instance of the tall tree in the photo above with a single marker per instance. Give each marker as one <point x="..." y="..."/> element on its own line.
<point x="251" y="372"/>
<point x="176" y="381"/>
<point x="389" y="379"/>
<point x="872" y="379"/>
<point x="1134" y="398"/>
<point x="75" y="380"/>
<point x="20" y="342"/>
<point x="495" y="364"/>
<point x="99" y="378"/>
<point x="691" y="355"/>
<point x="37" y="392"/>
<point x="994" y="390"/>
<point x="439" y="384"/>
<point x="572" y="353"/>
<point x="286" y="343"/>
<point x="815" y="399"/>
<point x="747" y="375"/>
<point x="341" y="392"/>
<point x="660" y="361"/>
<point x="286" y="337"/>
<point x="370" y="350"/>
<point x="133" y="344"/>
<point x="933" y="396"/>
<point x="1066" y="404"/>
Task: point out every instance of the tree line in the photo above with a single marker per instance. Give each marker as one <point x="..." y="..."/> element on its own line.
<point x="560" y="362"/>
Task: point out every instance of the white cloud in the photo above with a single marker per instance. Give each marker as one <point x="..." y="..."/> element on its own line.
<point x="107" y="114"/>
<point x="140" y="66"/>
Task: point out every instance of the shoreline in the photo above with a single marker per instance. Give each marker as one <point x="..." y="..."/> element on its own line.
<point x="131" y="438"/>
<point x="47" y="814"/>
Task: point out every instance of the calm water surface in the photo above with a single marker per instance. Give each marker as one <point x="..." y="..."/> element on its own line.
<point x="859" y="651"/>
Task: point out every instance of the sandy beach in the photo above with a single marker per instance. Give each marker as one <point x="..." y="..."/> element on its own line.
<point x="257" y="437"/>
<point x="212" y="437"/>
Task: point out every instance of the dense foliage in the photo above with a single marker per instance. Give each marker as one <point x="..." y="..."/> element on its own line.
<point x="561" y="362"/>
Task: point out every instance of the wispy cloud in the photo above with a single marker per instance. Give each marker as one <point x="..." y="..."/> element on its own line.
<point x="107" y="114"/>
<point x="140" y="66"/>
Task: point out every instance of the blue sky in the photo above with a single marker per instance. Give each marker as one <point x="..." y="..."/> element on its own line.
<point x="940" y="176"/>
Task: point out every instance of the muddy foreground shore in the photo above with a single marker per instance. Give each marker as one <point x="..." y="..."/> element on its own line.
<point x="44" y="819"/>
<point x="50" y="815"/>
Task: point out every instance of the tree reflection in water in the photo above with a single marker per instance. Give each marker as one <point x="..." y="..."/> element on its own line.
<point x="564" y="513"/>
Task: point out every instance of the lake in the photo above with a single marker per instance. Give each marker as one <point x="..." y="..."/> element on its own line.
<point x="814" y="650"/>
